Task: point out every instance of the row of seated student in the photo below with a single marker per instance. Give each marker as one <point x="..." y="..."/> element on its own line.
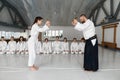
<point x="46" y="47"/>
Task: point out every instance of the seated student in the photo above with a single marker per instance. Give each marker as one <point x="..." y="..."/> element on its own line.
<point x="81" y="46"/>
<point x="65" y="46"/>
<point x="11" y="47"/>
<point x="3" y="46"/>
<point x="21" y="46"/>
<point x="46" y="46"/>
<point x="39" y="47"/>
<point x="74" y="46"/>
<point x="56" y="46"/>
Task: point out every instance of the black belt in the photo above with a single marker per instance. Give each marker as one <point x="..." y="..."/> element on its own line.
<point x="93" y="37"/>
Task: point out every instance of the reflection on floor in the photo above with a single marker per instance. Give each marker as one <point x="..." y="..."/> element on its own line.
<point x="60" y="67"/>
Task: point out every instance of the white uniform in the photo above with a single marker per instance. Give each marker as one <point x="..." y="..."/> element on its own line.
<point x="11" y="48"/>
<point x="21" y="47"/>
<point x="65" y="47"/>
<point x="56" y="47"/>
<point x="46" y="47"/>
<point x="81" y="47"/>
<point x="3" y="47"/>
<point x="87" y="28"/>
<point x="74" y="47"/>
<point x="33" y="41"/>
<point x="39" y="47"/>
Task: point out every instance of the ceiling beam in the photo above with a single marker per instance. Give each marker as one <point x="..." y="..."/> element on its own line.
<point x="11" y="15"/>
<point x="7" y="4"/>
<point x="100" y="4"/>
<point x="1" y="7"/>
<point x="111" y="7"/>
<point x="96" y="16"/>
<point x="117" y="11"/>
<point x="105" y="11"/>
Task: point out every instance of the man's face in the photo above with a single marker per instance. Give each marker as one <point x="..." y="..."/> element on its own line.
<point x="82" y="19"/>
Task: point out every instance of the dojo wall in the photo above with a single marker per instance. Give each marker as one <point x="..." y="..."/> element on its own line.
<point x="6" y="28"/>
<point x="108" y="35"/>
<point x="99" y="33"/>
<point x="68" y="31"/>
<point x="118" y="36"/>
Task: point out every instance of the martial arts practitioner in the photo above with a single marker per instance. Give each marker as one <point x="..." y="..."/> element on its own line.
<point x="11" y="47"/>
<point x="91" y="46"/>
<point x="34" y="39"/>
<point x="81" y="46"/>
<point x="74" y="46"/>
<point x="3" y="46"/>
<point x="39" y="47"/>
<point x="56" y="46"/>
<point x="65" y="46"/>
<point x="46" y="46"/>
<point x="21" y="46"/>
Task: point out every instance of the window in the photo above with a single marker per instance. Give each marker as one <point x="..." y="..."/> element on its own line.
<point x="53" y="33"/>
<point x="7" y="35"/>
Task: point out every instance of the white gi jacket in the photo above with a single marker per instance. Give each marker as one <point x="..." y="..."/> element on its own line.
<point x="21" y="46"/>
<point x="32" y="42"/>
<point x="65" y="46"/>
<point x="46" y="47"/>
<point x="56" y="46"/>
<point x="3" y="47"/>
<point x="74" y="47"/>
<point x="11" y="46"/>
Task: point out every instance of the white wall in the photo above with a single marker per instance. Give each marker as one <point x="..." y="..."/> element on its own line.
<point x="99" y="33"/>
<point x="118" y="36"/>
<point x="7" y="28"/>
<point x="108" y="35"/>
<point x="68" y="31"/>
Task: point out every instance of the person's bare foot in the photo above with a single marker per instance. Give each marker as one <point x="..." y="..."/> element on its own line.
<point x="33" y="69"/>
<point x="36" y="67"/>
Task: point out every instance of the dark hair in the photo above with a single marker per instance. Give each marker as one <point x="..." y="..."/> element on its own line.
<point x="21" y="37"/>
<point x="65" y="39"/>
<point x="57" y="37"/>
<point x="83" y="15"/>
<point x="74" y="38"/>
<point x="83" y="38"/>
<point x="12" y="37"/>
<point x="46" y="39"/>
<point x="37" y="18"/>
<point x="2" y="36"/>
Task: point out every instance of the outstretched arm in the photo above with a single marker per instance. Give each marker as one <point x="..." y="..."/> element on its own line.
<point x="45" y="27"/>
<point x="78" y="25"/>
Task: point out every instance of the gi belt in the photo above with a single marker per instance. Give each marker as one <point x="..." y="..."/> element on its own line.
<point x="93" y="37"/>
